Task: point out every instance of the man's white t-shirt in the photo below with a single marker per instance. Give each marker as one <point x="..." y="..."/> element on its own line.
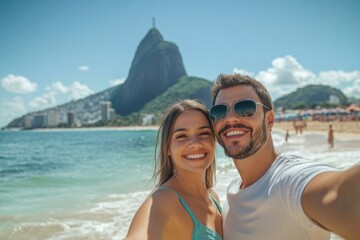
<point x="271" y="207"/>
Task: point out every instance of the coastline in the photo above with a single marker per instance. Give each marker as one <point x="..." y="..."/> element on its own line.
<point x="122" y="128"/>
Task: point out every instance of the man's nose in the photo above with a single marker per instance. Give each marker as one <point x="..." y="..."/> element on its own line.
<point x="231" y="113"/>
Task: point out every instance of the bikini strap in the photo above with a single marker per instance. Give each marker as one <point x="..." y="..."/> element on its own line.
<point x="216" y="203"/>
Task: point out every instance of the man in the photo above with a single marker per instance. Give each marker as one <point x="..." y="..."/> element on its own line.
<point x="277" y="196"/>
<point x="331" y="136"/>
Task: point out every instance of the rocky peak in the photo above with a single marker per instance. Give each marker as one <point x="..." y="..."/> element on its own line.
<point x="152" y="38"/>
<point x="157" y="65"/>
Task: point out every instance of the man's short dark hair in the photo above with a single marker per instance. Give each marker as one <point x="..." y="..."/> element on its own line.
<point x="231" y="80"/>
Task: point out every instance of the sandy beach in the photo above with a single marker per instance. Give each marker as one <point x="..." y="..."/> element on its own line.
<point x="343" y="130"/>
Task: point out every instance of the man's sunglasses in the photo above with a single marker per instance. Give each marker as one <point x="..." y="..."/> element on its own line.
<point x="242" y="108"/>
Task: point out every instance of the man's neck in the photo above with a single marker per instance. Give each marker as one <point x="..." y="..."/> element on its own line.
<point x="255" y="166"/>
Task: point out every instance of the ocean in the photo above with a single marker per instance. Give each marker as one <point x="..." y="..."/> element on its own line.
<point x="87" y="184"/>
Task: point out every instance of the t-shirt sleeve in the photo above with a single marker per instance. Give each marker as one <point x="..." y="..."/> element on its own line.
<point x="297" y="173"/>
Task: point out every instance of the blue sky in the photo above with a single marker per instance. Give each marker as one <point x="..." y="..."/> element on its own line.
<point x="52" y="52"/>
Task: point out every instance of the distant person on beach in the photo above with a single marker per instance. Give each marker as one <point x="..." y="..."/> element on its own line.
<point x="287" y="135"/>
<point x="296" y="128"/>
<point x="331" y="136"/>
<point x="276" y="196"/>
<point x="183" y="206"/>
<point x="302" y="125"/>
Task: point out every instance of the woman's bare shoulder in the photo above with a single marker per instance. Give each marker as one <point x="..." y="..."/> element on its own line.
<point x="153" y="215"/>
<point x="160" y="200"/>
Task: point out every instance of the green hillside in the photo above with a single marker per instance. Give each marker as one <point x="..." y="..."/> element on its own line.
<point x="186" y="87"/>
<point x="311" y="96"/>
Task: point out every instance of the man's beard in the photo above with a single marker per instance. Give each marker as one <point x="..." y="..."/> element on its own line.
<point x="257" y="140"/>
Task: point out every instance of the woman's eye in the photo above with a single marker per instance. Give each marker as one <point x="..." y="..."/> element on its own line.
<point x="205" y="134"/>
<point x="180" y="137"/>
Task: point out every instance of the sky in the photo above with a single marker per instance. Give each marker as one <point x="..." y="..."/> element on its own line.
<point x="55" y="51"/>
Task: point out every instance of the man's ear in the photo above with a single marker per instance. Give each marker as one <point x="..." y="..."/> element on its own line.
<point x="270" y="118"/>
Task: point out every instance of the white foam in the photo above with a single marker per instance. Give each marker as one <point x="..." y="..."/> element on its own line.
<point x="108" y="219"/>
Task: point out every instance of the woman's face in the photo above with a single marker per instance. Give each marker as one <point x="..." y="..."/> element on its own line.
<point x="192" y="143"/>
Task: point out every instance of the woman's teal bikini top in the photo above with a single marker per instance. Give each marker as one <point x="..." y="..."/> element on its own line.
<point x="200" y="231"/>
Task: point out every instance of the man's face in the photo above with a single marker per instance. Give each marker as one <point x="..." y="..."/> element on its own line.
<point x="240" y="137"/>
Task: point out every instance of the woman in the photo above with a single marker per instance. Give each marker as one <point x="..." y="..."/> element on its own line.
<point x="183" y="206"/>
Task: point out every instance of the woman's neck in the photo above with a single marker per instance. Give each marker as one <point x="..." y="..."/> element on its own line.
<point x="189" y="183"/>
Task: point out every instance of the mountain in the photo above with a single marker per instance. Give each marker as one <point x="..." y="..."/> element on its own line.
<point x="157" y="65"/>
<point x="157" y="78"/>
<point x="311" y="96"/>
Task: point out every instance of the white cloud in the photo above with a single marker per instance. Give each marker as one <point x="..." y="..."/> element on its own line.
<point x="286" y="71"/>
<point x="79" y="90"/>
<point x="286" y="75"/>
<point x="84" y="68"/>
<point x="354" y="90"/>
<point x="243" y="72"/>
<point x="45" y="101"/>
<point x="11" y="109"/>
<point x="117" y="81"/>
<point x="59" y="87"/>
<point x="18" y="84"/>
<point x="338" y="78"/>
<point x="75" y="91"/>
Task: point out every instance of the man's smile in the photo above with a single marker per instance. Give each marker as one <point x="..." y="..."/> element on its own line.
<point x="235" y="131"/>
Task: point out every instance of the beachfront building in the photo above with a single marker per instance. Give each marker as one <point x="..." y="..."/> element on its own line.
<point x="53" y="118"/>
<point x="62" y="117"/>
<point x="40" y="120"/>
<point x="71" y="119"/>
<point x="28" y="121"/>
<point x="112" y="113"/>
<point x="147" y="119"/>
<point x="107" y="112"/>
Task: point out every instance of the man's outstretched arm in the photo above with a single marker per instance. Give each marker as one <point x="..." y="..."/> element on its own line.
<point x="332" y="200"/>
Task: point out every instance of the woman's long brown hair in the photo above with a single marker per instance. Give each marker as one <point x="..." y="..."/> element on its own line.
<point x="164" y="168"/>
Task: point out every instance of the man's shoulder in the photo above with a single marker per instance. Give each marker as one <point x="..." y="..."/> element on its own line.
<point x="289" y="160"/>
<point x="297" y="160"/>
<point x="298" y="165"/>
<point x="289" y="157"/>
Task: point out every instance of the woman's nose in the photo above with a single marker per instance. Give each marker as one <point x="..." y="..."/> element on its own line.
<point x="195" y="142"/>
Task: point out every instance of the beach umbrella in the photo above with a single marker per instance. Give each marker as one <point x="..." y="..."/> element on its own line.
<point x="353" y="108"/>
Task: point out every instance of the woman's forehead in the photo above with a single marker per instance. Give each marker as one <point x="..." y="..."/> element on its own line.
<point x="192" y="119"/>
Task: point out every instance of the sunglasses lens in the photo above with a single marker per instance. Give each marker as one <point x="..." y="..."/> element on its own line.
<point x="246" y="108"/>
<point x="218" y="112"/>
